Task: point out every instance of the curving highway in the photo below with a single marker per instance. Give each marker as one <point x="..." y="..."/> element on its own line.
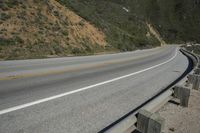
<point x="82" y="94"/>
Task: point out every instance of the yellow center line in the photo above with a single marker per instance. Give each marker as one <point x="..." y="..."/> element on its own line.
<point x="83" y="67"/>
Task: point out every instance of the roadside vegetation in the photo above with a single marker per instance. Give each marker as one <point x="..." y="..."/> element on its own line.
<point x="193" y="48"/>
<point x="39" y="29"/>
<point x="50" y="28"/>
<point x="123" y="28"/>
<point x="178" y="21"/>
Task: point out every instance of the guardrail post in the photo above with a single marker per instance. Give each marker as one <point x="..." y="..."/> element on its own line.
<point x="143" y="121"/>
<point x="197" y="71"/>
<point x="183" y="94"/>
<point x="149" y="123"/>
<point x="194" y="79"/>
<point x="190" y="78"/>
<point x="196" y="82"/>
<point x="156" y="124"/>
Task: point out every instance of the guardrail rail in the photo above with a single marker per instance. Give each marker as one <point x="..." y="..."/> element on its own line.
<point x="143" y="118"/>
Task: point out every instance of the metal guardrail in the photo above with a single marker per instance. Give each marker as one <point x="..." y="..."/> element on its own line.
<point x="194" y="57"/>
<point x="126" y="124"/>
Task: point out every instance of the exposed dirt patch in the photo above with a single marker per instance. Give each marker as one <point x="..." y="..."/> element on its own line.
<point x="153" y="31"/>
<point x="183" y="120"/>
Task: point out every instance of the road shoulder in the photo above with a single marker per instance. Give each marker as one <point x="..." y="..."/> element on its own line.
<point x="183" y="120"/>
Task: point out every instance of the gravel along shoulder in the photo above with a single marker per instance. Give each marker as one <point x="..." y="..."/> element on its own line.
<point x="183" y="120"/>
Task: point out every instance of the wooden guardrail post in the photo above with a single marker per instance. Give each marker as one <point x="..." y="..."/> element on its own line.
<point x="183" y="94"/>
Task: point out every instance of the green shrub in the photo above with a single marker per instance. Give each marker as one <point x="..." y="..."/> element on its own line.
<point x="10" y="41"/>
<point x="5" y="4"/>
<point x="56" y="13"/>
<point x="57" y="48"/>
<point x="65" y="33"/>
<point x="6" y="42"/>
<point x="4" y="16"/>
<point x="81" y="23"/>
<point x="77" y="51"/>
<point x="17" y="39"/>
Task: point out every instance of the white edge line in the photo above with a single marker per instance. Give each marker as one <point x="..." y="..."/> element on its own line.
<point x="4" y="111"/>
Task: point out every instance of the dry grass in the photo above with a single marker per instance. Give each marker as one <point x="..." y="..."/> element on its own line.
<point x="35" y="29"/>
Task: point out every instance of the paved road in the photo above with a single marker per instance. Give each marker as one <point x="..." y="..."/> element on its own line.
<point x="82" y="94"/>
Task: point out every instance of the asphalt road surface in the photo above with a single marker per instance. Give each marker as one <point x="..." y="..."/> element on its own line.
<point x="82" y="94"/>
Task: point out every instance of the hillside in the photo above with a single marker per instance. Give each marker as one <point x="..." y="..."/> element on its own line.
<point x="51" y="28"/>
<point x="123" y="28"/>
<point x="177" y="21"/>
<point x="36" y="29"/>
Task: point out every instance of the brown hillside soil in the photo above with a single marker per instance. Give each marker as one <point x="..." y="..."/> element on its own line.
<point x="35" y="29"/>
